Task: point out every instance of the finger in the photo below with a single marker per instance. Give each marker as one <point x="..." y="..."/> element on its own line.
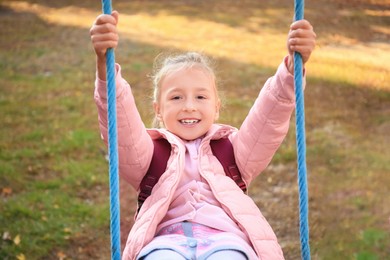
<point x="115" y="14"/>
<point x="302" y="33"/>
<point x="105" y="37"/>
<point x="105" y="18"/>
<point x="103" y="28"/>
<point x="304" y="50"/>
<point x="310" y="42"/>
<point x="103" y="42"/>
<point x="303" y="24"/>
<point x="101" y="47"/>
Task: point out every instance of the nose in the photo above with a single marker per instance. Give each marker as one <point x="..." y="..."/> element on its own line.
<point x="189" y="105"/>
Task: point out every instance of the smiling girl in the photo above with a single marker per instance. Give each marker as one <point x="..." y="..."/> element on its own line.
<point x="195" y="211"/>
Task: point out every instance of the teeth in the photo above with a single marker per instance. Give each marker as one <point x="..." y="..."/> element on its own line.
<point x="189" y="121"/>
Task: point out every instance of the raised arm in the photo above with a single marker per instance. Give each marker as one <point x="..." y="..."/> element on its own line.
<point x="268" y="121"/>
<point x="135" y="147"/>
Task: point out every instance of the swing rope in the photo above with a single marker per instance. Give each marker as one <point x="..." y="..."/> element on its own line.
<point x="301" y="144"/>
<point x="113" y="146"/>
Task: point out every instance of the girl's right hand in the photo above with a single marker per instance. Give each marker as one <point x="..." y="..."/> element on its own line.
<point x="104" y="33"/>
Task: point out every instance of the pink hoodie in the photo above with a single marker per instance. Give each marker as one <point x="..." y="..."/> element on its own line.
<point x="254" y="145"/>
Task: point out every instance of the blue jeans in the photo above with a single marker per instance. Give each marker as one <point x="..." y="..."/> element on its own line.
<point x="168" y="254"/>
<point x="188" y="246"/>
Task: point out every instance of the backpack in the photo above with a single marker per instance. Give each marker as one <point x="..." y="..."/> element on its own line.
<point x="221" y="148"/>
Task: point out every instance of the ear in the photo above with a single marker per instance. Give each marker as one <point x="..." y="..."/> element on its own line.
<point x="157" y="113"/>
<point x="217" y="108"/>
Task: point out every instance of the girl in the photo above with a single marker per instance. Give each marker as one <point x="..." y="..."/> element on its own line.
<point x="195" y="211"/>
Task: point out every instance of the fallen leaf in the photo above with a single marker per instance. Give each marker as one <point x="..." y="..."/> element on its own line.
<point x="61" y="255"/>
<point x="17" y="240"/>
<point x="21" y="257"/>
<point x="6" y="236"/>
<point x="6" y="191"/>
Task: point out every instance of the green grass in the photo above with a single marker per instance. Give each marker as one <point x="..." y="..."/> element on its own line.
<point x="41" y="217"/>
<point x="50" y="155"/>
<point x="53" y="172"/>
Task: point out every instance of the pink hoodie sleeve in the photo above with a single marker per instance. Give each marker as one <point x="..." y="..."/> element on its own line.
<point x="135" y="147"/>
<point x="266" y="125"/>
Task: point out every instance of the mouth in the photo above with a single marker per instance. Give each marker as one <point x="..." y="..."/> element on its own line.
<point x="189" y="121"/>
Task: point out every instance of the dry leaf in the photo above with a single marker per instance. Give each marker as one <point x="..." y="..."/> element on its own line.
<point x="17" y="240"/>
<point x="6" y="191"/>
<point x="6" y="236"/>
<point x="61" y="255"/>
<point x="21" y="257"/>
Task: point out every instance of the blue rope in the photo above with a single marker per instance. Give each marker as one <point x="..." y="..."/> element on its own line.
<point x="112" y="148"/>
<point x="301" y="145"/>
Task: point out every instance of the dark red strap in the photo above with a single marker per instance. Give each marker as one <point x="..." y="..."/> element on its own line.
<point x="158" y="165"/>
<point x="223" y="150"/>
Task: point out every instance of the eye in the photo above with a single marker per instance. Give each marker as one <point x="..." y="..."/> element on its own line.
<point x="175" y="97"/>
<point x="201" y="97"/>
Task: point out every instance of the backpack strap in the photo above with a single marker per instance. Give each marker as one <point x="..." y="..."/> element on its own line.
<point x="158" y="165"/>
<point x="223" y="150"/>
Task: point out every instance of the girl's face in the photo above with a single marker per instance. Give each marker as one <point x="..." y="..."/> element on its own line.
<point x="188" y="104"/>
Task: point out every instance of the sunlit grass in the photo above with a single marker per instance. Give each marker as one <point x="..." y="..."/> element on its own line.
<point x="354" y="64"/>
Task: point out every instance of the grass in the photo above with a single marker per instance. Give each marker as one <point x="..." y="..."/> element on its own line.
<point x="53" y="172"/>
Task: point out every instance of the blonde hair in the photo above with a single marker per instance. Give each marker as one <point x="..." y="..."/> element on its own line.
<point x="165" y="65"/>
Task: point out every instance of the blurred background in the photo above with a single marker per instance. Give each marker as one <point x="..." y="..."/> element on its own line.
<point x="53" y="171"/>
